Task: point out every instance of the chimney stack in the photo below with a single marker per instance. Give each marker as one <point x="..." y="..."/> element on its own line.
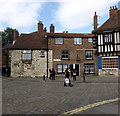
<point x="16" y="34"/>
<point x="52" y="28"/>
<point x="113" y="10"/>
<point x="95" y="21"/>
<point x="40" y="26"/>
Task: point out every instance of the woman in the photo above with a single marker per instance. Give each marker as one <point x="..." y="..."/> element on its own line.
<point x="67" y="79"/>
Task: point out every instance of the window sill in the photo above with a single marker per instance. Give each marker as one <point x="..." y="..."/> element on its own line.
<point x="65" y="59"/>
<point x="77" y="44"/>
<point x="89" y="73"/>
<point x="88" y="59"/>
<point x="59" y="44"/>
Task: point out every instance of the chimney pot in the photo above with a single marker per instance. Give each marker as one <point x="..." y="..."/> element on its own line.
<point x="112" y="10"/>
<point x="40" y="26"/>
<point x="95" y="21"/>
<point x="52" y="28"/>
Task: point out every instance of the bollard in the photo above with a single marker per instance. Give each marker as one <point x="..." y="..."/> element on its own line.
<point x="83" y="78"/>
<point x="44" y="77"/>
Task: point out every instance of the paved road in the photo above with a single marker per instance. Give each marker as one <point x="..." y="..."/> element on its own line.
<point x="35" y="96"/>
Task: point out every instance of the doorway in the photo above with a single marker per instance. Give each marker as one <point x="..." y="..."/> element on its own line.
<point x="75" y="67"/>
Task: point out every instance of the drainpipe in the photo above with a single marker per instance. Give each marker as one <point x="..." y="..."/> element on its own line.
<point x="47" y="54"/>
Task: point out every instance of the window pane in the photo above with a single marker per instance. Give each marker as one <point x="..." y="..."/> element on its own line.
<point x="90" y="40"/>
<point x="65" y="54"/>
<point x="86" y="68"/>
<point x="107" y="38"/>
<point x="77" y="40"/>
<point x="89" y="54"/>
<point x="91" y="68"/>
<point x="26" y="56"/>
<point x="58" y="40"/>
<point x="59" y="68"/>
<point x="64" y="67"/>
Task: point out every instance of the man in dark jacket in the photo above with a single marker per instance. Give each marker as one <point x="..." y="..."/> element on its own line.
<point x="53" y="74"/>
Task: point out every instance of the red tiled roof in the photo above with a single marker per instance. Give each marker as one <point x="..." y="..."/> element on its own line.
<point x="37" y="40"/>
<point x="34" y="40"/>
<point x="69" y="35"/>
<point x="112" y="23"/>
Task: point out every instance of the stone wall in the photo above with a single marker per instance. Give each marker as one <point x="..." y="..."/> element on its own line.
<point x="37" y="67"/>
<point x="104" y="72"/>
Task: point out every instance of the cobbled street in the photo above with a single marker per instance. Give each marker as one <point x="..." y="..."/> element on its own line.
<point x="36" y="96"/>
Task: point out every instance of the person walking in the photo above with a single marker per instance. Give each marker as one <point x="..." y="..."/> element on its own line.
<point x="67" y="77"/>
<point x="53" y="74"/>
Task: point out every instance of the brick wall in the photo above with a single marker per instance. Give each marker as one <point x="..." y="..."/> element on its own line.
<point x="75" y="50"/>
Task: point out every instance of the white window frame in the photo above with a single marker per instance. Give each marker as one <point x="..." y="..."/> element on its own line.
<point x="58" y="40"/>
<point x="78" y="41"/>
<point x="90" y="40"/>
<point x="61" y="68"/>
<point x="89" y="68"/>
<point x="26" y="54"/>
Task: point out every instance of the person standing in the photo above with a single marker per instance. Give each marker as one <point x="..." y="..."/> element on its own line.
<point x="74" y="75"/>
<point x="53" y="74"/>
<point x="50" y="71"/>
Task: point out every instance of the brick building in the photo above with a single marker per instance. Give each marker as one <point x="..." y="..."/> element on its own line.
<point x="73" y="50"/>
<point x="107" y="43"/>
<point x="35" y="53"/>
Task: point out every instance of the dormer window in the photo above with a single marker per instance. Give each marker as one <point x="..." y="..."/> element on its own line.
<point x="42" y="53"/>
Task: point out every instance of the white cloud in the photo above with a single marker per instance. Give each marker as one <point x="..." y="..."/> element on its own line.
<point x="71" y="14"/>
<point x="17" y="14"/>
<point x="79" y="13"/>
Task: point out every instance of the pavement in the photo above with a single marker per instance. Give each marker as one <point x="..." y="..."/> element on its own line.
<point x="36" y="96"/>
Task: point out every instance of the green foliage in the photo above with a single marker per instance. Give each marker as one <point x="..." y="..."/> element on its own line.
<point x="7" y="36"/>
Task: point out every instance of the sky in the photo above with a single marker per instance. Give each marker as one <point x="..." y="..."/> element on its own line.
<point x="74" y="16"/>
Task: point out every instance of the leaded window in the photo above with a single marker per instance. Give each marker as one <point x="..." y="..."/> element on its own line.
<point x="26" y="54"/>
<point x="89" y="54"/>
<point x="65" y="54"/>
<point x="89" y="68"/>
